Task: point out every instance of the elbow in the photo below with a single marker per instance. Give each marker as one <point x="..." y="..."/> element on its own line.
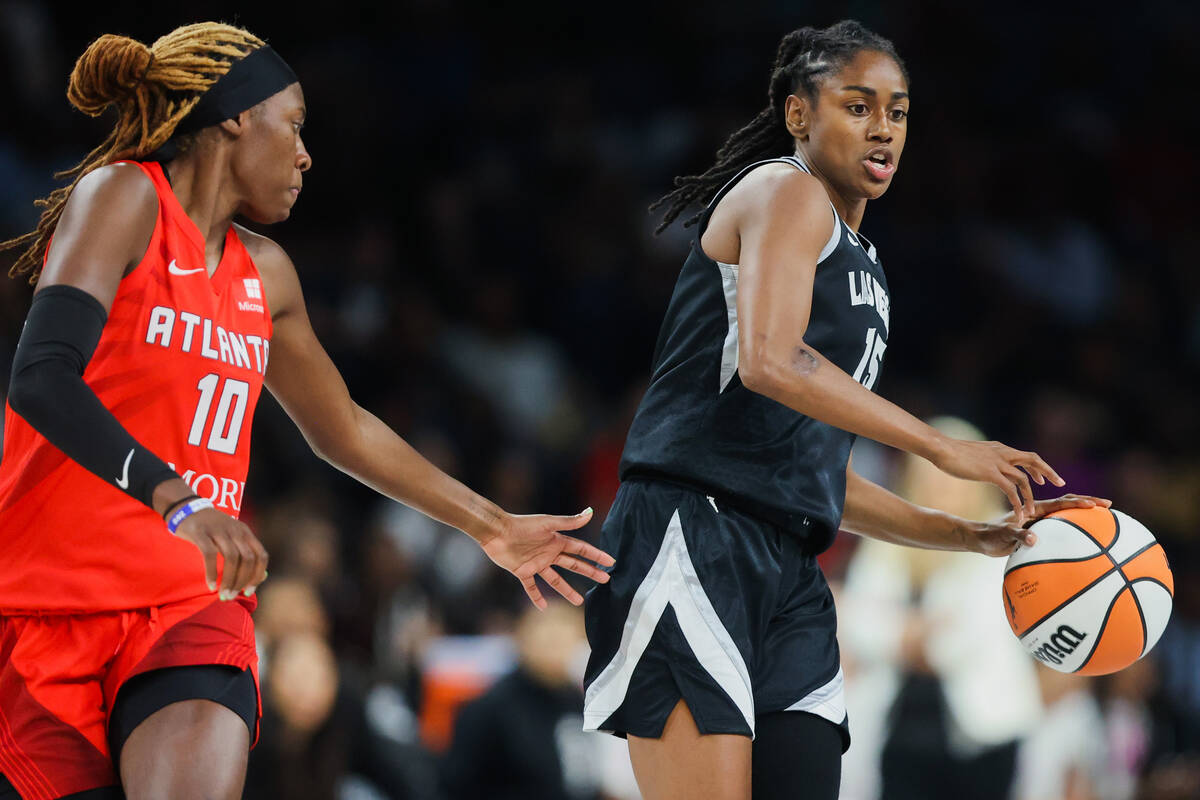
<point x="336" y="444"/>
<point x="328" y="449"/>
<point x="774" y="374"/>
<point x="24" y="395"/>
<point x="755" y="375"/>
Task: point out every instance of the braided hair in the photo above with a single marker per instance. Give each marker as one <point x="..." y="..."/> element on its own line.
<point x="803" y="58"/>
<point x="152" y="88"/>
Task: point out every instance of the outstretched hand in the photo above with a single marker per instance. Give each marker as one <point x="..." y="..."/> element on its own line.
<point x="531" y="545"/>
<point x="1003" y="537"/>
<point x="994" y="462"/>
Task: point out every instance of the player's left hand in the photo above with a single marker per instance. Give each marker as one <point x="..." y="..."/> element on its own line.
<point x="532" y="545"/>
<point x="1003" y="537"/>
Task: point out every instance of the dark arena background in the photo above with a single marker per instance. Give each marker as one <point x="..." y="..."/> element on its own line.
<point x="477" y="257"/>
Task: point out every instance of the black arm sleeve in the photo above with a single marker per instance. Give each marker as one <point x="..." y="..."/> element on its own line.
<point x="47" y="390"/>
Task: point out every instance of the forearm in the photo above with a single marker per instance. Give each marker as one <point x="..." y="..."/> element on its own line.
<point x="48" y="391"/>
<point x="375" y="455"/>
<point x="807" y="382"/>
<point x="873" y="511"/>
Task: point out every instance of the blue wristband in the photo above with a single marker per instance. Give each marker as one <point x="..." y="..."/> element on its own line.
<point x="186" y="510"/>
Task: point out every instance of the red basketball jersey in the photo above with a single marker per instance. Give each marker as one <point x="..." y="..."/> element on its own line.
<point x="180" y="364"/>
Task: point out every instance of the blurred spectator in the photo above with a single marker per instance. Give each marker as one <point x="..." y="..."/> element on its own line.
<point x="304" y="744"/>
<point x="938" y="688"/>
<point x="1132" y="741"/>
<point x="519" y="371"/>
<point x="524" y="737"/>
<point x="317" y="731"/>
<point x="454" y="671"/>
<point x="1064" y="759"/>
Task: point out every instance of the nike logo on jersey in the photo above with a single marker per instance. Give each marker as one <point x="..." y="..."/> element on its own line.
<point x="175" y="270"/>
<point x="123" y="481"/>
<point x="850" y="237"/>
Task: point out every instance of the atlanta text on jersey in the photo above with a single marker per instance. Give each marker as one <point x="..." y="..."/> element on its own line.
<point x="212" y="341"/>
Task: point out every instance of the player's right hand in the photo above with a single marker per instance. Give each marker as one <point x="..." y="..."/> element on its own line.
<point x="531" y="544"/>
<point x="994" y="462"/>
<point x="245" y="558"/>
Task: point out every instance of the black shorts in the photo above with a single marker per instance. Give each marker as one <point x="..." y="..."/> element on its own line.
<point x="152" y="691"/>
<point x="710" y="605"/>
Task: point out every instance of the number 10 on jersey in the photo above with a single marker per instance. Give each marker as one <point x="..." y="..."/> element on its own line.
<point x="227" y="421"/>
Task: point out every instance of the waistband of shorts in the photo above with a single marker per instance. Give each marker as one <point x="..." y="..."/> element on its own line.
<point x="811" y="533"/>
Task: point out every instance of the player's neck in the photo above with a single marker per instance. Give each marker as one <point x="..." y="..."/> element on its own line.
<point x="851" y="210"/>
<point x="199" y="179"/>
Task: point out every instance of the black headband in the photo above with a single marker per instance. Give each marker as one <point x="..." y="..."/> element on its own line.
<point x="250" y="80"/>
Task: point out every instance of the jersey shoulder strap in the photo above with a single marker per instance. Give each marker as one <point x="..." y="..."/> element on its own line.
<point x="797" y="162"/>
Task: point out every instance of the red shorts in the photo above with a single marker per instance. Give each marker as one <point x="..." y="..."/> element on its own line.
<point x="59" y="676"/>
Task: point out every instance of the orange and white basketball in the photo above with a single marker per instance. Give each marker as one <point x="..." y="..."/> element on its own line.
<point x="1093" y="595"/>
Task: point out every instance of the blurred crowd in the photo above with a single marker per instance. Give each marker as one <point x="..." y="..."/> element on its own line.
<point x="477" y="258"/>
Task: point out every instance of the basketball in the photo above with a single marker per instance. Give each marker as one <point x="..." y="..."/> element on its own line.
<point x="1094" y="593"/>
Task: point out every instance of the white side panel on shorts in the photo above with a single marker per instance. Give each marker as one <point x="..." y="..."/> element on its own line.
<point x="672" y="580"/>
<point x="729" y="351"/>
<point x="827" y="702"/>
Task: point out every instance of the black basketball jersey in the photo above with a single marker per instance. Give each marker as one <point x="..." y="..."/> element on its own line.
<point x="699" y="426"/>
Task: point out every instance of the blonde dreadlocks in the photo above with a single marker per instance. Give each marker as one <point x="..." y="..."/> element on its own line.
<point x="153" y="89"/>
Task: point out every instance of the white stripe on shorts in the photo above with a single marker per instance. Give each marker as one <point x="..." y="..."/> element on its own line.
<point x="828" y="702"/>
<point x="672" y="581"/>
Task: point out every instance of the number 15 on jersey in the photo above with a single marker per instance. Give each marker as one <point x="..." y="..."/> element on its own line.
<point x="868" y="366"/>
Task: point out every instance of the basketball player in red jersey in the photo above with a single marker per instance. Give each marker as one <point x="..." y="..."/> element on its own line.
<point x="127" y="655"/>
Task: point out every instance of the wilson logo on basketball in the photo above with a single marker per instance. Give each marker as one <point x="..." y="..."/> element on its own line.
<point x="1097" y="570"/>
<point x="1062" y="643"/>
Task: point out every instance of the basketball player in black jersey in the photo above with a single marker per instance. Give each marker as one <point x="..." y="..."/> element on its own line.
<point x="713" y="645"/>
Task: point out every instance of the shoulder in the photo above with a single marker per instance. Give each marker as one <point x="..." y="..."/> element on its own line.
<point x="117" y="191"/>
<point x="267" y="255"/>
<point x="781" y="187"/>
<point x="124" y="181"/>
<point x="107" y="224"/>
<point x="275" y="268"/>
<point x="772" y="192"/>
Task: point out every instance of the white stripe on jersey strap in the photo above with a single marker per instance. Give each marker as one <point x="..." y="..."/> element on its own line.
<point x="827" y="702"/>
<point x="836" y="236"/>
<point x="729" y="351"/>
<point x="729" y="274"/>
<point x="798" y="160"/>
<point x="672" y="580"/>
